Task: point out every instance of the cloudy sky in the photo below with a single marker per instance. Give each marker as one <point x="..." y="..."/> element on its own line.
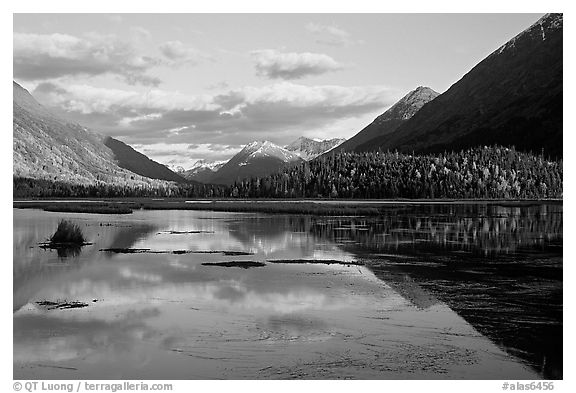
<point x="181" y="87"/>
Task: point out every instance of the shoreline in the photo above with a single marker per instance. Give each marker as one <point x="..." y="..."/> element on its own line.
<point x="360" y="207"/>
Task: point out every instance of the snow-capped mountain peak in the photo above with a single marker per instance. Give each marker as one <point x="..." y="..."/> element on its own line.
<point x="258" y="158"/>
<point x="265" y="149"/>
<point x="205" y="164"/>
<point x="202" y="170"/>
<point x="310" y="148"/>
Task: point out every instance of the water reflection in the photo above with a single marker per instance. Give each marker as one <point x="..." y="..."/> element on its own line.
<point x="161" y="315"/>
<point x="479" y="229"/>
<point x="35" y="267"/>
<point x="499" y="267"/>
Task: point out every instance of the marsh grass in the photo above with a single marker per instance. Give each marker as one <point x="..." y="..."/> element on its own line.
<point x="256" y="206"/>
<point x="89" y="208"/>
<point x="68" y="233"/>
<point x="77" y="207"/>
<point x="128" y="205"/>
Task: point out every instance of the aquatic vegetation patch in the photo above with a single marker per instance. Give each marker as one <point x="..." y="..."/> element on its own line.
<point x="317" y="262"/>
<point x="259" y="206"/>
<point x="177" y="252"/>
<point x="127" y="250"/>
<point x="182" y="232"/>
<point x="67" y="240"/>
<point x="236" y="253"/>
<point x="89" y="208"/>
<point x="78" y="207"/>
<point x="68" y="232"/>
<point x="242" y="264"/>
<point x="60" y="305"/>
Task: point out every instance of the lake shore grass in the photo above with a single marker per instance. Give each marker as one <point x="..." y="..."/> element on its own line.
<point x="272" y="206"/>
<point x="77" y="206"/>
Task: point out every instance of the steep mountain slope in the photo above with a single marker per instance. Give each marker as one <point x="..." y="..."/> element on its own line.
<point x="202" y="171"/>
<point x="259" y="158"/>
<point x="513" y="97"/>
<point x="309" y="149"/>
<point x="46" y="146"/>
<point x="128" y="158"/>
<point x="390" y="120"/>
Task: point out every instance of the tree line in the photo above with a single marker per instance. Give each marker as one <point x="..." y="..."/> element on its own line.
<point x="483" y="172"/>
<point x="42" y="188"/>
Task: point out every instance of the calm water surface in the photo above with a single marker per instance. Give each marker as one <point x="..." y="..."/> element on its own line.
<point x="446" y="291"/>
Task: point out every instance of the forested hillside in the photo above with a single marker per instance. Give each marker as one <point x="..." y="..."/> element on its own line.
<point x="484" y="172"/>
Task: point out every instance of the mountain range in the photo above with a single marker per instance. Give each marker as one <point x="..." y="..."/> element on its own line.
<point x="512" y="97"/>
<point x="259" y="158"/>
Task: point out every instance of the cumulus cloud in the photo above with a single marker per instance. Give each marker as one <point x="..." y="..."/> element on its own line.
<point x="88" y="99"/>
<point x="178" y="54"/>
<point x="272" y="64"/>
<point x="331" y="35"/>
<point x="47" y="56"/>
<point x="234" y="117"/>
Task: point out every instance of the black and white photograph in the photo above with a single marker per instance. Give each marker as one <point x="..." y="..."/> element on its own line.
<point x="279" y="196"/>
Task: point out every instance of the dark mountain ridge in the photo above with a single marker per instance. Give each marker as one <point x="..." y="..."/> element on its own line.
<point x="128" y="158"/>
<point x="390" y="120"/>
<point x="513" y="97"/>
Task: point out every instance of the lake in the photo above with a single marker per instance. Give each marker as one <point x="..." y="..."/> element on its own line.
<point x="455" y="291"/>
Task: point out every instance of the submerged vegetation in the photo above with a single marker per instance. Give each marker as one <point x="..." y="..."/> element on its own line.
<point x="316" y="262"/>
<point x="241" y="264"/>
<point x="177" y="252"/>
<point x="60" y="305"/>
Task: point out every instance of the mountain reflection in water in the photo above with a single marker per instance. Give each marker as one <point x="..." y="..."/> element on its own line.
<point x="498" y="267"/>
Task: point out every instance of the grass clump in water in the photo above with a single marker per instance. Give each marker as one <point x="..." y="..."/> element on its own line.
<point x="68" y="233"/>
